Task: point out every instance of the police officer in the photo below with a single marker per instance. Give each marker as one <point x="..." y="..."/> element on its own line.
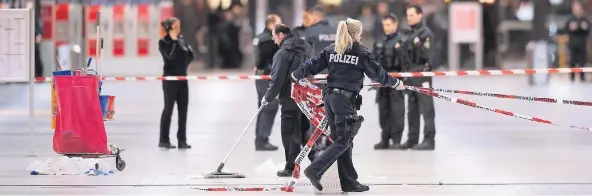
<point x="418" y="52"/>
<point x="265" y="48"/>
<point x="347" y="60"/>
<point x="300" y="31"/>
<point x="391" y="103"/>
<point x="320" y="34"/>
<point x="293" y="52"/>
<point x="578" y="30"/>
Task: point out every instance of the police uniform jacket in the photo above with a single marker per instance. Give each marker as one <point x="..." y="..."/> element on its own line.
<point x="320" y="35"/>
<point x="579" y="37"/>
<point x="419" y="53"/>
<point x="265" y="48"/>
<point x="293" y="52"/>
<point x="300" y="32"/>
<point x="390" y="52"/>
<point x="346" y="71"/>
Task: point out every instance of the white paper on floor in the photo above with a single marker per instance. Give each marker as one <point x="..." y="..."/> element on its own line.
<point x="70" y="166"/>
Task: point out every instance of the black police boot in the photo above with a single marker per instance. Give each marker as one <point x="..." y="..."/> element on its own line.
<point x="184" y="145"/>
<point x="408" y="144"/>
<point x="358" y="188"/>
<point x="166" y="145"/>
<point x="382" y="145"/>
<point x="265" y="147"/>
<point x="427" y="144"/>
<point x="397" y="146"/>
<point x="284" y="173"/>
<point x="316" y="182"/>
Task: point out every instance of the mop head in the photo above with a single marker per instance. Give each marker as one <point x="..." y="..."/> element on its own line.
<point x="216" y="174"/>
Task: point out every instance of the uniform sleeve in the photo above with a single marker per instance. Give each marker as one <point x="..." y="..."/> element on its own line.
<point x="168" y="49"/>
<point x="266" y="50"/>
<point x="279" y="74"/>
<point x="311" y="67"/>
<point x="375" y="72"/>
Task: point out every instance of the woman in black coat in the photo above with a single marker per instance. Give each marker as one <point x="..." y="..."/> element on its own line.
<point x="176" y="55"/>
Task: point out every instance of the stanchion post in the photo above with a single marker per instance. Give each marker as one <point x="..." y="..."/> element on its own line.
<point x="99" y="46"/>
<point x="31" y="51"/>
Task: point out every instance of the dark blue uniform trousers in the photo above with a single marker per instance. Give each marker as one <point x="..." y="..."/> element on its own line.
<point x="337" y="108"/>
<point x="266" y="118"/>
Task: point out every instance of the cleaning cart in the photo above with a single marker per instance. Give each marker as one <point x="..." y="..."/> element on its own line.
<point x="79" y="114"/>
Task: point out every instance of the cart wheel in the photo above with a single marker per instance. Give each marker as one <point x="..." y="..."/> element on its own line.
<point x="119" y="164"/>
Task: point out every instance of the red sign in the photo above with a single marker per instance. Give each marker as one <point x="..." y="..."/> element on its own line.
<point x="143" y="29"/>
<point x="62" y="22"/>
<point x="91" y="30"/>
<point x="46" y="14"/>
<point x="166" y="11"/>
<point x="118" y="30"/>
<point x="466" y="19"/>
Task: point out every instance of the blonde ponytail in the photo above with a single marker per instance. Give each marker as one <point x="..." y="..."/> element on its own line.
<point x="348" y="32"/>
<point x="342" y="38"/>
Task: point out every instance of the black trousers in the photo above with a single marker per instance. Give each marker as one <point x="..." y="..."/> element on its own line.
<point x="266" y="118"/>
<point x="391" y="113"/>
<point x="291" y="134"/>
<point x="420" y="105"/>
<point x="338" y="107"/>
<point x="577" y="60"/>
<point x="174" y="92"/>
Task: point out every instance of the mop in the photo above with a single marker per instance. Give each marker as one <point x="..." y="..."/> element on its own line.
<point x="218" y="173"/>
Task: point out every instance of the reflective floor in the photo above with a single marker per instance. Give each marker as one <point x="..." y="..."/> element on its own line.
<point x="478" y="152"/>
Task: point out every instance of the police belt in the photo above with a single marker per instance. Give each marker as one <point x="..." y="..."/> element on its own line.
<point x="345" y="93"/>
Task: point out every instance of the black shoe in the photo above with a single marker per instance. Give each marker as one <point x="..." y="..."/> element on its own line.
<point x="265" y="147"/>
<point x="425" y="145"/>
<point x="316" y="182"/>
<point x="284" y="173"/>
<point x="357" y="188"/>
<point x="382" y="145"/>
<point x="408" y="145"/>
<point x="166" y="145"/>
<point x="397" y="146"/>
<point x="184" y="145"/>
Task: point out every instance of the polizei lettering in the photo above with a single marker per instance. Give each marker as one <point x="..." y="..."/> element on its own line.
<point x="346" y="58"/>
<point x="326" y="37"/>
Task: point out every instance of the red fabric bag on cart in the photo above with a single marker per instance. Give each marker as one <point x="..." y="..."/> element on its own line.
<point x="79" y="123"/>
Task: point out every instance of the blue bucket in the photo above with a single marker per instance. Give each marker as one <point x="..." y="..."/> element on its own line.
<point x="104" y="100"/>
<point x="63" y="73"/>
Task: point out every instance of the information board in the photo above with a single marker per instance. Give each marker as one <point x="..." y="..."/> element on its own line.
<point x="16" y="45"/>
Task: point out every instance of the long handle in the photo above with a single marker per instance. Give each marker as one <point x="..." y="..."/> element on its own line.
<point x="239" y="138"/>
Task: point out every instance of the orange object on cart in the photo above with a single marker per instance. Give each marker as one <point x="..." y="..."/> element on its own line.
<point x="79" y="122"/>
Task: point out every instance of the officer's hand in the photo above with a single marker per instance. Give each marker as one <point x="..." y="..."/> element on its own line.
<point x="264" y="102"/>
<point x="401" y="86"/>
<point x="573" y="26"/>
<point x="416" y="40"/>
<point x="584" y="25"/>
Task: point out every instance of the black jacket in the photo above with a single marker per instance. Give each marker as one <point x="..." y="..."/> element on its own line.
<point x="319" y="36"/>
<point x="293" y="52"/>
<point x="299" y="31"/>
<point x="346" y="71"/>
<point x="264" y="50"/>
<point x="176" y="55"/>
<point x="578" y="38"/>
<point x="420" y="53"/>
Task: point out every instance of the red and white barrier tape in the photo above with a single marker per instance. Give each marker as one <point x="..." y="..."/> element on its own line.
<point x="504" y="96"/>
<point x="478" y="106"/>
<point x="518" y="97"/>
<point x="224" y="189"/>
<point x="307" y="97"/>
<point x="323" y="76"/>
